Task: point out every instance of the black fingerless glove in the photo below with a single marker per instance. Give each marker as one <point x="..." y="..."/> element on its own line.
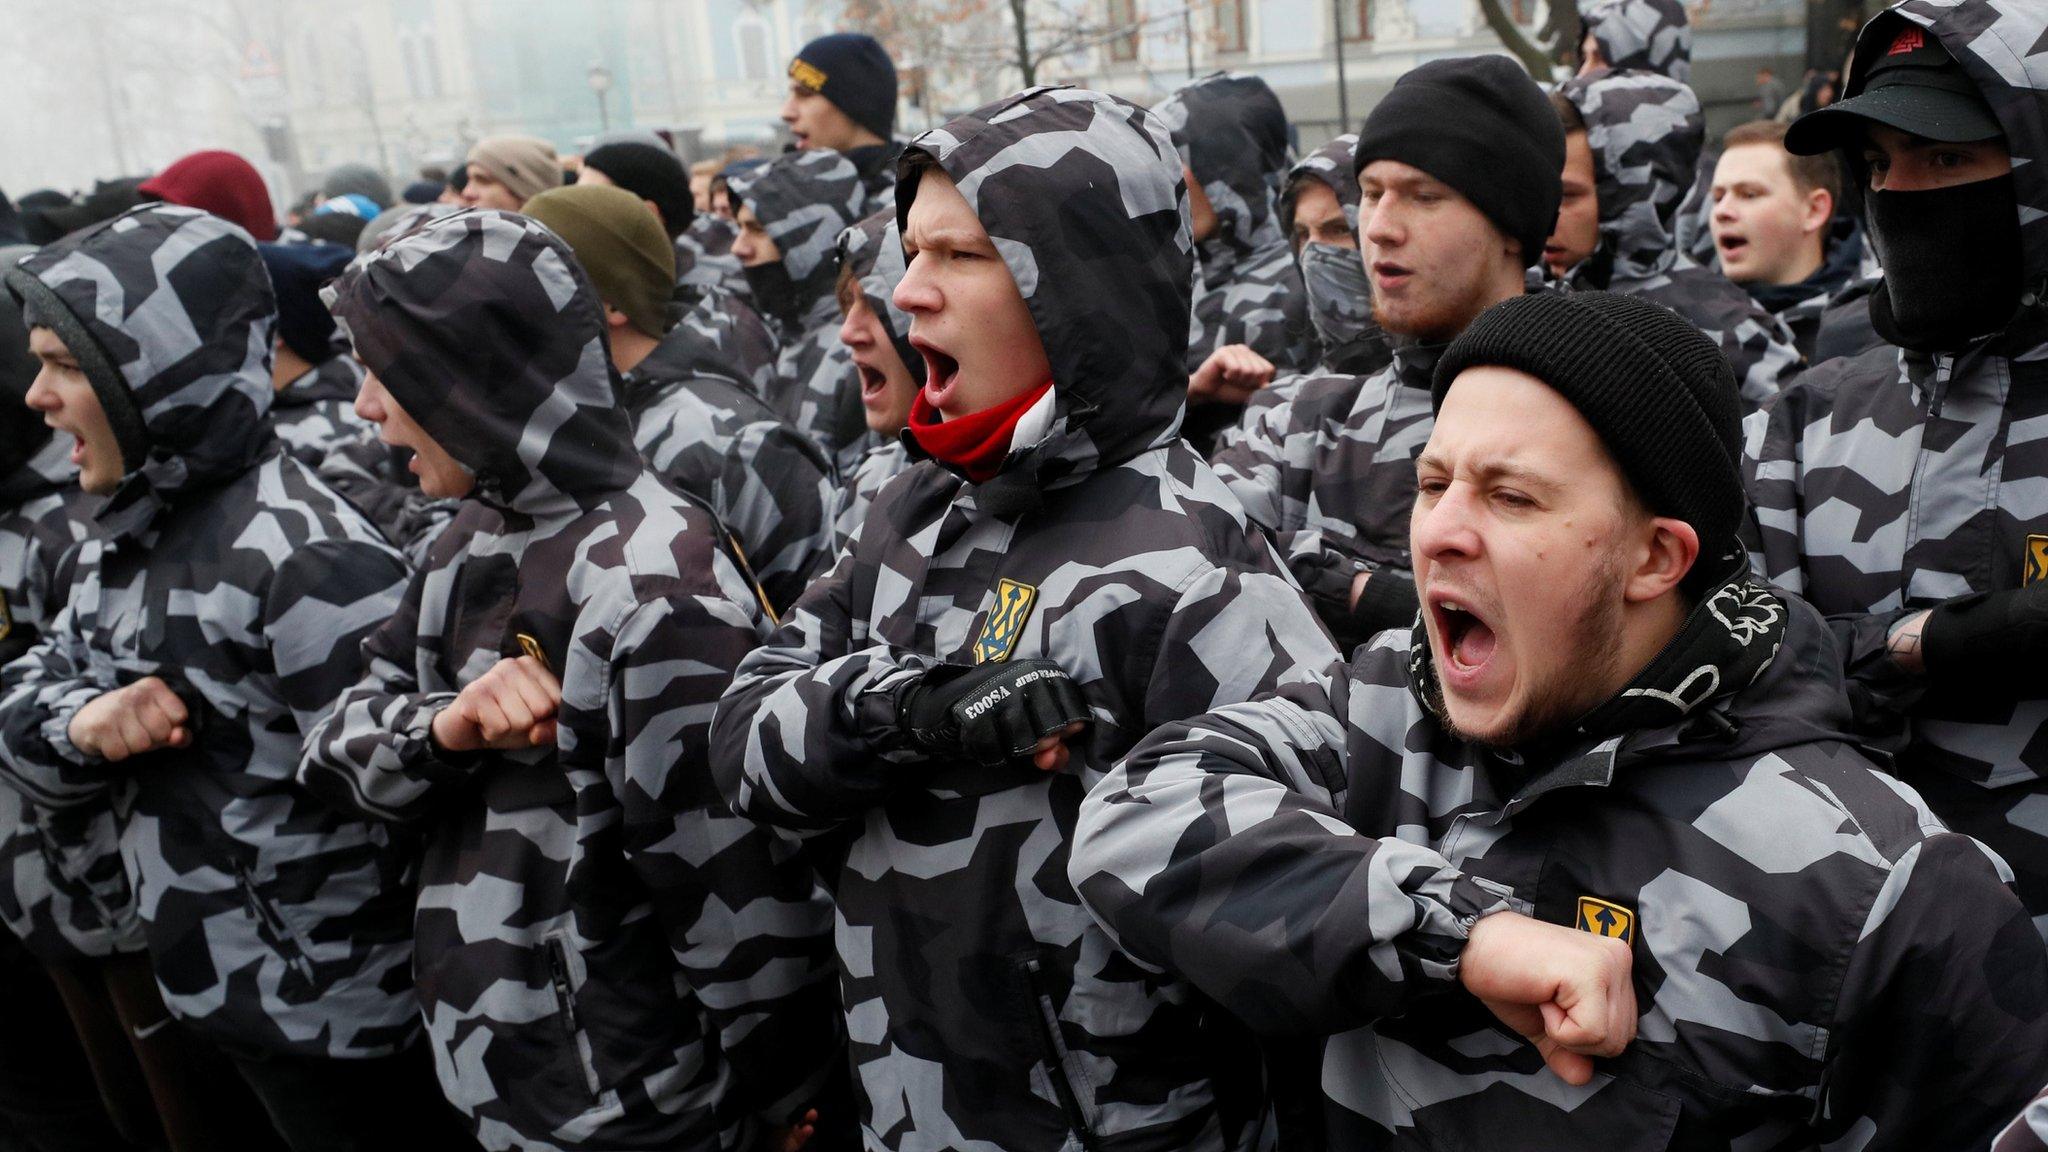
<point x="1989" y="642"/>
<point x="988" y="713"/>
<point x="1389" y="601"/>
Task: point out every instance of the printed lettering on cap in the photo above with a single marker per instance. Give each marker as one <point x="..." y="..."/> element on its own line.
<point x="1005" y="622"/>
<point x="809" y="75"/>
<point x="1603" y="918"/>
<point x="1911" y="39"/>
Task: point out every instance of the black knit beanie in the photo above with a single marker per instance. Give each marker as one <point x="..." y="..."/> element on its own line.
<point x="1482" y="126"/>
<point x="1658" y="392"/>
<point x="854" y="72"/>
<point x="650" y="173"/>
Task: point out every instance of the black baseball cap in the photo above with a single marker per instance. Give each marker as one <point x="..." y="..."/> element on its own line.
<point x="1915" y="86"/>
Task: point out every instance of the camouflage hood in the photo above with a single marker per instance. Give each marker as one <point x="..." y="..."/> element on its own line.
<point x="1231" y="133"/>
<point x="873" y="251"/>
<point x="23" y="435"/>
<point x="1082" y="194"/>
<point x="804" y="200"/>
<point x="484" y="328"/>
<point x="169" y="312"/>
<point x="1330" y="165"/>
<point x="1647" y="35"/>
<point x="1998" y="44"/>
<point x="1646" y="132"/>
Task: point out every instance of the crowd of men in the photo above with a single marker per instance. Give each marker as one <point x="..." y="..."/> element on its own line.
<point x="1074" y="632"/>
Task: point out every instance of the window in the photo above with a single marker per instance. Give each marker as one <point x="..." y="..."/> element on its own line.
<point x="1123" y="29"/>
<point x="316" y="70"/>
<point x="1357" y="16"/>
<point x="750" y="40"/>
<point x="1229" y="25"/>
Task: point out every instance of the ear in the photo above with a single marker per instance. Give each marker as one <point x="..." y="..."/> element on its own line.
<point x="1665" y="552"/>
<point x="1820" y="209"/>
<point x="614" y="318"/>
<point x="656" y="209"/>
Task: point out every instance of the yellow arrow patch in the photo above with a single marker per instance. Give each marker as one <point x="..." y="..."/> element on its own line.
<point x="1604" y="919"/>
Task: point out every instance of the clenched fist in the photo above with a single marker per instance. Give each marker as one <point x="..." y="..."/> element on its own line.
<point x="508" y="708"/>
<point x="1230" y="375"/>
<point x="142" y="717"/>
<point x="1568" y="992"/>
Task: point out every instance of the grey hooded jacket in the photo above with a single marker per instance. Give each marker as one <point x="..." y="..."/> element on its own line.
<point x="984" y="1008"/>
<point x="223" y="566"/>
<point x="1886" y="483"/>
<point x="1645" y="131"/>
<point x="606" y="957"/>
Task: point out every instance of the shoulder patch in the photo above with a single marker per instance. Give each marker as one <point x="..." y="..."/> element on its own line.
<point x="2037" y="560"/>
<point x="1005" y="622"/>
<point x="1603" y="918"/>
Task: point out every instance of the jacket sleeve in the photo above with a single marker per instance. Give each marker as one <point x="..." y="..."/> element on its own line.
<point x="1941" y="1034"/>
<point x="1268" y="462"/>
<point x="744" y="916"/>
<point x="1215" y="851"/>
<point x="777" y="496"/>
<point x="1880" y="691"/>
<point x="39" y="694"/>
<point x="372" y="750"/>
<point x="323" y="601"/>
<point x="806" y="737"/>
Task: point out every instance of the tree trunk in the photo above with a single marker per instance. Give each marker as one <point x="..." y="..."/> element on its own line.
<point x="1026" y="66"/>
<point x="1530" y="53"/>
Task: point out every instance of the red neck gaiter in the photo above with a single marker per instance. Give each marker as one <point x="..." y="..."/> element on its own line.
<point x="976" y="443"/>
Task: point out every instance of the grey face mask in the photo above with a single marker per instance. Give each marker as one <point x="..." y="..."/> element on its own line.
<point x="1339" y="293"/>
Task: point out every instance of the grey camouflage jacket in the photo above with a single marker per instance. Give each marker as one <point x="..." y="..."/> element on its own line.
<point x="223" y="566"/>
<point x="606" y="957"/>
<point x="883" y="463"/>
<point x="1329" y="470"/>
<point x="1817" y="962"/>
<point x="1645" y="131"/>
<point x="1886" y="483"/>
<point x="984" y="1008"/>
<point x="1231" y="133"/>
<point x="63" y="891"/>
<point x="805" y="200"/>
<point x="713" y="438"/>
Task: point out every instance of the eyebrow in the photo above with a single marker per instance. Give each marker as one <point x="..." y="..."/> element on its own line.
<point x="1517" y="473"/>
<point x="956" y="237"/>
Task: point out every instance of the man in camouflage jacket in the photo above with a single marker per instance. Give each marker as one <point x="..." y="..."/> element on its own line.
<point x="1900" y="491"/>
<point x="1329" y="470"/>
<point x="606" y="957"/>
<point x="1232" y="137"/>
<point x="870" y="268"/>
<point x="1644" y="131"/>
<point x="1589" y="857"/>
<point x="1332" y="264"/>
<point x="791" y="211"/>
<point x="216" y="612"/>
<point x="1099" y="573"/>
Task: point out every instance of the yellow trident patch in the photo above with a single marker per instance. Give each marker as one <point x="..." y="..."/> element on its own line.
<point x="1604" y="919"/>
<point x="2037" y="560"/>
<point x="809" y="75"/>
<point x="1005" y="622"/>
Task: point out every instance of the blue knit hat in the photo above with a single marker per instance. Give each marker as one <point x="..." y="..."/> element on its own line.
<point x="854" y="72"/>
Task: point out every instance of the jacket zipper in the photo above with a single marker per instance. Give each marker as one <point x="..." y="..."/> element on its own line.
<point x="572" y="1024"/>
<point x="1047" y="1023"/>
<point x="287" y="940"/>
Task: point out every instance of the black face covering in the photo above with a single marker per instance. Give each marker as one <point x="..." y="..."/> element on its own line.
<point x="1951" y="263"/>
<point x="774" y="291"/>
